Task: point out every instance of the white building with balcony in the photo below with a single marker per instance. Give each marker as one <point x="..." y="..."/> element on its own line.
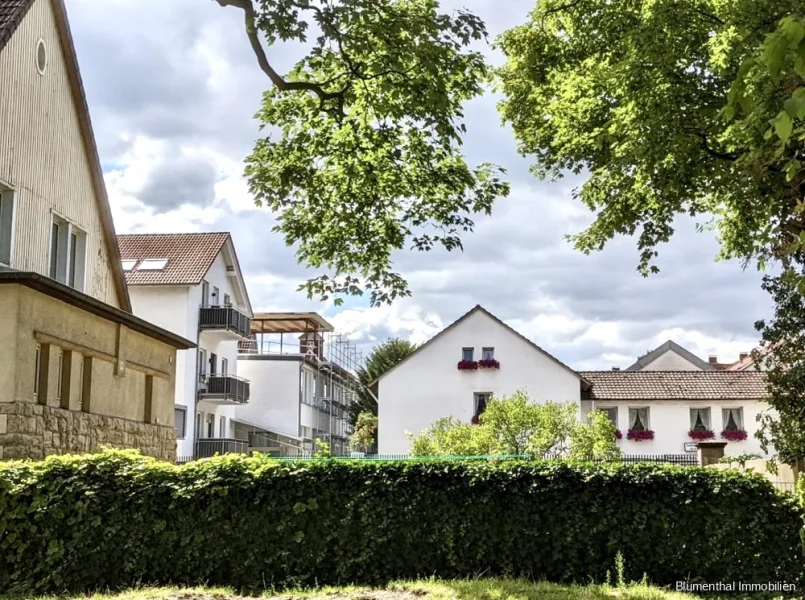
<point x="191" y="284"/>
<point x="303" y="383"/>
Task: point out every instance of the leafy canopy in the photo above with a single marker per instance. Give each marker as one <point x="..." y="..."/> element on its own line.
<point x="382" y="358"/>
<point x="364" y="437"/>
<point x="516" y="426"/>
<point x="363" y="155"/>
<point x="673" y="107"/>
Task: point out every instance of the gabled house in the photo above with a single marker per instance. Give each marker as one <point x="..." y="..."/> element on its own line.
<point x="664" y="404"/>
<point x="457" y="371"/>
<point x="192" y="284"/>
<point x="78" y="370"/>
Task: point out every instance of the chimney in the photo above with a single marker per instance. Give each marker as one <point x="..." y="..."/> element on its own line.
<point x="616" y="368"/>
<point x="712" y="359"/>
<point x="743" y="355"/>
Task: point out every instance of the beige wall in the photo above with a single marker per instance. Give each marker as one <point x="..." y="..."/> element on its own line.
<point x="28" y="318"/>
<point x="43" y="158"/>
<point x="670" y="361"/>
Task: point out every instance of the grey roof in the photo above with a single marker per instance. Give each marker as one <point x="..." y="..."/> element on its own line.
<point x="671" y="345"/>
<point x="675" y="385"/>
<point x="11" y="15"/>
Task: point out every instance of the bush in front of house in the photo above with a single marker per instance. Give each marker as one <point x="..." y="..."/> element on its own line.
<point x="115" y="519"/>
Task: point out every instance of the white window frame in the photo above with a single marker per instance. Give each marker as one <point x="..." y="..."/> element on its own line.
<point x="128" y="262"/>
<point x="8" y="215"/>
<point x="464" y="353"/>
<point x="476" y="401"/>
<point x="647" y="423"/>
<point x="67" y="254"/>
<point x="224" y="366"/>
<point x="202" y="364"/>
<point x="725" y="417"/>
<point x="216" y="295"/>
<point x="227" y="300"/>
<point x="180" y="435"/>
<point x="222" y="427"/>
<point x="209" y="425"/>
<point x="488" y="353"/>
<point x="205" y="293"/>
<point x="707" y="418"/>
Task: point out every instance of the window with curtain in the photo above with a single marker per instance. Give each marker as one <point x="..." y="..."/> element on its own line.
<point x="733" y="419"/>
<point x="481" y="400"/>
<point x="700" y="419"/>
<point x="488" y="354"/>
<point x="638" y="419"/>
<point x="612" y="413"/>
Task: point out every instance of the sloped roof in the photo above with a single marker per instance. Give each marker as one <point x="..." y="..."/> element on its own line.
<point x="479" y="308"/>
<point x="671" y="345"/>
<point x="675" y="385"/>
<point x="189" y="256"/>
<point x="12" y="13"/>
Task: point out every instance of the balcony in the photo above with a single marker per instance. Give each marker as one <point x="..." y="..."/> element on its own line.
<point x="211" y="446"/>
<point x="226" y="321"/>
<point x="224" y="389"/>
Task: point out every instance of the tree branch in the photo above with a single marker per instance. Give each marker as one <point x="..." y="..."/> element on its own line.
<point x="265" y="66"/>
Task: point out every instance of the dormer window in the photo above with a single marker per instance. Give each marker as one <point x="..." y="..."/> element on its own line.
<point x="467" y="353"/>
<point x="153" y="264"/>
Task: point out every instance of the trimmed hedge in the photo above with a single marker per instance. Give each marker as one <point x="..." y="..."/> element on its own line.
<point x="115" y="519"/>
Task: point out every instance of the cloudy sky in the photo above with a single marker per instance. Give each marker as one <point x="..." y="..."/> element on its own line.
<point x="173" y="87"/>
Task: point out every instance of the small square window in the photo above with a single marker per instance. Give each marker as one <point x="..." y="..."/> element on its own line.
<point x="612" y="414"/>
<point x="733" y="419"/>
<point x="467" y="353"/>
<point x="700" y="419"/>
<point x="488" y="354"/>
<point x="638" y="419"/>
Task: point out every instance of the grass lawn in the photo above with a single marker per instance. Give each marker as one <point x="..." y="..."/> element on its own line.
<point x="480" y="589"/>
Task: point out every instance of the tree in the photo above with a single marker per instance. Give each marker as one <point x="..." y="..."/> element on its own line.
<point x="382" y="358"/>
<point x="364" y="438"/>
<point x="516" y="426"/>
<point x="782" y="353"/>
<point x="363" y="155"/>
<point x="673" y="107"/>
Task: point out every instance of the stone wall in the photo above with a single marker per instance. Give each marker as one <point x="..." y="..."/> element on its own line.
<point x="30" y="430"/>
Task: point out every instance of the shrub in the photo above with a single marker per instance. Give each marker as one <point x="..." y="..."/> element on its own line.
<point x="115" y="519"/>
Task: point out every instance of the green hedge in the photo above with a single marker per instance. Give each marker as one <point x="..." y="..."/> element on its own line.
<point x="116" y="519"/>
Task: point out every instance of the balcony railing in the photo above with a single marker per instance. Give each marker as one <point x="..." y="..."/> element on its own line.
<point x="224" y="388"/>
<point x="224" y="318"/>
<point x="211" y="446"/>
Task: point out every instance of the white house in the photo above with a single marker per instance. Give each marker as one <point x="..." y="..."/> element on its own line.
<point x="303" y="382"/>
<point x="455" y="373"/>
<point x="192" y="284"/>
<point x="432" y="382"/>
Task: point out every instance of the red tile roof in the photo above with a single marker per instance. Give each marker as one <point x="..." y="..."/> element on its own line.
<point x="189" y="256"/>
<point x="675" y="385"/>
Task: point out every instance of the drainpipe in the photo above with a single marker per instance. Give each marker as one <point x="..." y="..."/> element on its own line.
<point x="196" y="378"/>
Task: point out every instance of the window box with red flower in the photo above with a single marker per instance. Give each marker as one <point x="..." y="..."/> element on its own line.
<point x="488" y="363"/>
<point x="701" y="434"/>
<point x="467" y="365"/>
<point x="618" y="434"/>
<point x="476" y="420"/>
<point x="734" y="435"/>
<point x="639" y="435"/>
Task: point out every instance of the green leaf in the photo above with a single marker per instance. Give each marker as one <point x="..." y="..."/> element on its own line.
<point x="783" y="125"/>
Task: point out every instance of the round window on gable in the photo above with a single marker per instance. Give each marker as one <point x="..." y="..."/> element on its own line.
<point x="41" y="57"/>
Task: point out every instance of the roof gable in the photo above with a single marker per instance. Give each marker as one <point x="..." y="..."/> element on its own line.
<point x="670" y="346"/>
<point x="480" y="309"/>
<point x="12" y="15"/>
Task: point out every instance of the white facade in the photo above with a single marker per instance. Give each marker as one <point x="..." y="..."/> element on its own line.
<point x="428" y="385"/>
<point x="177" y="309"/>
<point x="299" y="397"/>
<point x="671" y="361"/>
<point x="670" y="420"/>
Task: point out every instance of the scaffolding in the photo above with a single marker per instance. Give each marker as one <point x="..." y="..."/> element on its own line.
<point x="328" y="383"/>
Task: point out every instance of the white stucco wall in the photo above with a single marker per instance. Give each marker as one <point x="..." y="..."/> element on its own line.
<point x="670" y="421"/>
<point x="274" y="402"/>
<point x="428" y="386"/>
<point x="176" y="308"/>
<point x="670" y="361"/>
